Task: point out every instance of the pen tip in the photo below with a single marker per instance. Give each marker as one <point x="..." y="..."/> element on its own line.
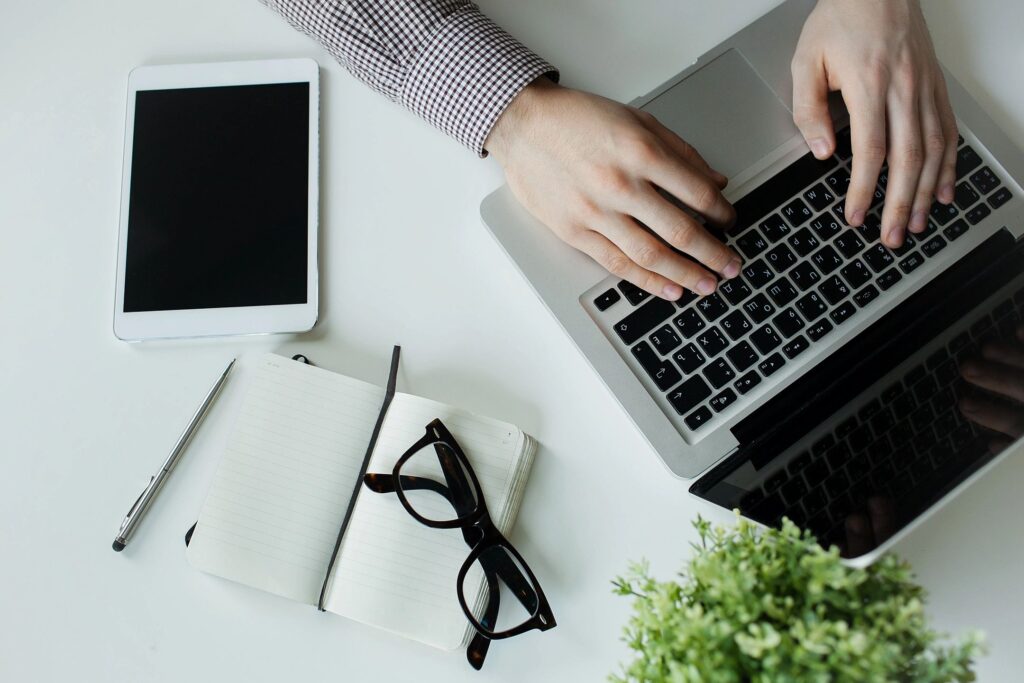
<point x="118" y="546"/>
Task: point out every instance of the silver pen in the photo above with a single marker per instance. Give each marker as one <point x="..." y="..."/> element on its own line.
<point x="134" y="516"/>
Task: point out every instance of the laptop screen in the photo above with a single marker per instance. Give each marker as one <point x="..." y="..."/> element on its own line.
<point x="880" y="431"/>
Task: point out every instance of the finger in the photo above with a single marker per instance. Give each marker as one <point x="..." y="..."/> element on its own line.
<point x="883" y="517"/>
<point x="906" y="157"/>
<point x="868" y="138"/>
<point x="947" y="174"/>
<point x="1009" y="353"/>
<point x="692" y="187"/>
<point x="993" y="414"/>
<point x="934" y="144"/>
<point x="858" y="535"/>
<point x="684" y="233"/>
<point x="612" y="259"/>
<point x="998" y="444"/>
<point x="681" y="147"/>
<point x="810" y="105"/>
<point x="998" y="378"/>
<point x="654" y="256"/>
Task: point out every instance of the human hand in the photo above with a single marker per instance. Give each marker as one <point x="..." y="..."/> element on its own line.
<point x="879" y="54"/>
<point x="591" y="170"/>
<point x="999" y="371"/>
<point x="866" y="530"/>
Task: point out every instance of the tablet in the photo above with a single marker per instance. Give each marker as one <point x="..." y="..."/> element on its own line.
<point x="218" y="224"/>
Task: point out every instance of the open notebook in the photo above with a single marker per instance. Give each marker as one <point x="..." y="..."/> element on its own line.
<point x="280" y="494"/>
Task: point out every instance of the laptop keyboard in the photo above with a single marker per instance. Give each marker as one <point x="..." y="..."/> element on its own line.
<point x="892" y="446"/>
<point x="805" y="274"/>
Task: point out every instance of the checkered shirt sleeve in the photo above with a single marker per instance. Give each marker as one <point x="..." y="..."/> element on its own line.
<point x="442" y="59"/>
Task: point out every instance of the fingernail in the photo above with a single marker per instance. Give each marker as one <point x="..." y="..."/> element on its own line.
<point x="733" y="269"/>
<point x="857" y="218"/>
<point x="895" y="236"/>
<point x="819" y="146"/>
<point x="672" y="292"/>
<point x="706" y="286"/>
<point x="968" y="405"/>
<point x="918" y="222"/>
<point x="946" y="194"/>
<point x="969" y="370"/>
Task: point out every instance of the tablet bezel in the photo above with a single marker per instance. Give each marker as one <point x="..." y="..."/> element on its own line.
<point x="242" y="320"/>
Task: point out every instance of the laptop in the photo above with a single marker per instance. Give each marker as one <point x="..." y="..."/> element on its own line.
<point x="823" y="384"/>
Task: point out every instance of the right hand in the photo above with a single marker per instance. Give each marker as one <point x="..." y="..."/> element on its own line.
<point x="591" y="170"/>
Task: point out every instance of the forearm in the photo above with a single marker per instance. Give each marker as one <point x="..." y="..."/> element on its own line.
<point x="442" y="59"/>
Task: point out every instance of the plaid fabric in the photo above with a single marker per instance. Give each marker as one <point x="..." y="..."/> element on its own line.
<point x="442" y="59"/>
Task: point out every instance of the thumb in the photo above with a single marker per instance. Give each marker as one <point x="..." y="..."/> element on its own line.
<point x="810" y="106"/>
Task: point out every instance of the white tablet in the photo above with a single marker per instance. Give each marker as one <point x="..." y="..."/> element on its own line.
<point x="218" y="226"/>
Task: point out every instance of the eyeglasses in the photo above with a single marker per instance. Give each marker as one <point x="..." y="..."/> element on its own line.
<point x="458" y="503"/>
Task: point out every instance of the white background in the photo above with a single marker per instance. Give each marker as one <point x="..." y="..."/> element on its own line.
<point x="85" y="419"/>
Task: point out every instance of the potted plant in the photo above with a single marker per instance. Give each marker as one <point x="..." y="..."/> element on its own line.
<point x="757" y="605"/>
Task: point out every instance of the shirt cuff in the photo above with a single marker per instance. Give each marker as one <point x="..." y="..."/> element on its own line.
<point x="467" y="73"/>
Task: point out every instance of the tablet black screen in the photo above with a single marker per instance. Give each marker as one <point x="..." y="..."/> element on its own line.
<point x="218" y="203"/>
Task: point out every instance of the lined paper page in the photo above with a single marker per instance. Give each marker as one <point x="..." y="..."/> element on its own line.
<point x="397" y="574"/>
<point x="278" y="498"/>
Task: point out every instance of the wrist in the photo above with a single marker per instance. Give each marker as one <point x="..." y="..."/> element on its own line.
<point x="510" y="125"/>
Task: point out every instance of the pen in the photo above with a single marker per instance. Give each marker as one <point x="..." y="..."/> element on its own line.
<point x="135" y="514"/>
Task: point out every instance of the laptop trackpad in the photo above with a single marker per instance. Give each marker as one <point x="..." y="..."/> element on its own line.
<point x="727" y="112"/>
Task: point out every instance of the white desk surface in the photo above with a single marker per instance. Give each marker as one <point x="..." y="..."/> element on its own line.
<point x="85" y="419"/>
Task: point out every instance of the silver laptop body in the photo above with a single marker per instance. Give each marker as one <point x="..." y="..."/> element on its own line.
<point x="733" y="104"/>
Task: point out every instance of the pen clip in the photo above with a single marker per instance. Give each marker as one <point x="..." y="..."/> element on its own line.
<point x="135" y="505"/>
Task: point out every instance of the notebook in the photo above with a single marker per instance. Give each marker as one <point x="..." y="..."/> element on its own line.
<point x="280" y="493"/>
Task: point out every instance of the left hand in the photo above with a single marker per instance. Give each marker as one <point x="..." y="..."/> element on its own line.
<point x="879" y="54"/>
<point x="999" y="372"/>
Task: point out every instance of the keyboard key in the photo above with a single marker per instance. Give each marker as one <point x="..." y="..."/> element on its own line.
<point x="759" y="308"/>
<point x="689" y="358"/>
<point x="782" y="291"/>
<point x="839" y="182"/>
<point x="966" y="161"/>
<point x="825" y="226"/>
<point x="796" y="212"/>
<point x="819" y="197"/>
<point x="735" y="325"/>
<point x="734" y="290"/>
<point x="758" y="273"/>
<point x="662" y="372"/>
<point x="643" y="320"/>
<point x="698" y="418"/>
<point x="712" y="342"/>
<point x="689" y="394"/>
<point x="751" y="243"/>
<point x="742" y="356"/>
<point x="848" y="244"/>
<point x="665" y="339"/>
<point x="955" y="230"/>
<point x="786" y="183"/>
<point x="811" y="306"/>
<point x="908" y="243"/>
<point x="943" y="213"/>
<point x="834" y="290"/>
<point x="687" y="298"/>
<point x="788" y="323"/>
<point x="842" y="313"/>
<point x="933" y="246"/>
<point x="633" y="294"/>
<point x="827" y="259"/>
<point x="978" y="213"/>
<point x="689" y="323"/>
<point x="819" y="329"/>
<point x="871" y="230"/>
<point x="723" y="400"/>
<point x="605" y="300"/>
<point x="747" y="382"/>
<point x="985" y="180"/>
<point x="780" y="258"/>
<point x="804" y="275"/>
<point x="888" y="278"/>
<point x="965" y="196"/>
<point x="774" y="228"/>
<point x="719" y="373"/>
<point x="999" y="197"/>
<point x="712" y="307"/>
<point x="911" y="263"/>
<point x="771" y="364"/>
<point x="878" y="257"/>
<point x="855" y="273"/>
<point x="803" y="241"/>
<point x="839" y="211"/>
<point x="865" y="296"/>
<point x="795" y="347"/>
<point x="844" y="150"/>
<point x="765" y="339"/>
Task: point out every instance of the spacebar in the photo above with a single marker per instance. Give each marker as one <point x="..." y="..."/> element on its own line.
<point x="778" y="189"/>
